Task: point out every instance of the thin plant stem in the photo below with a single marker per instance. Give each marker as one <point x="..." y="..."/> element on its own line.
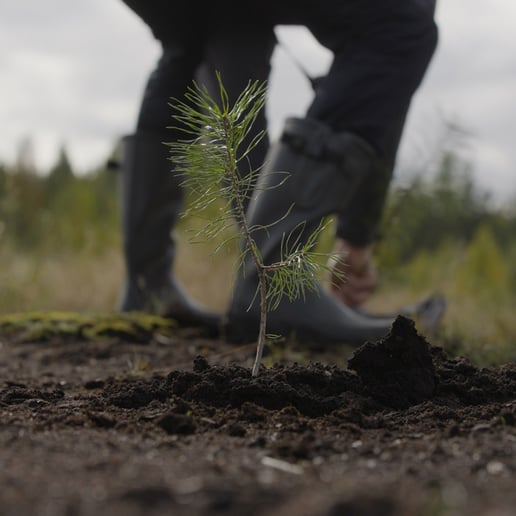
<point x="251" y="246"/>
<point x="209" y="162"/>
<point x="262" y="278"/>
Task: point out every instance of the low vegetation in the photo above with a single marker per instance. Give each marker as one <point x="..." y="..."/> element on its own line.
<point x="59" y="235"/>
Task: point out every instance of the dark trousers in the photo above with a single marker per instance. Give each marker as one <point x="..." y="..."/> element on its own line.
<point x="381" y="49"/>
<point x="195" y="44"/>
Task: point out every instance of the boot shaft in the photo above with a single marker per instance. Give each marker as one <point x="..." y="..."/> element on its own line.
<point x="309" y="174"/>
<point x="151" y="200"/>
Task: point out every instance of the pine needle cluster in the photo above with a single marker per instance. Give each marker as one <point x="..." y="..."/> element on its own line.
<point x="216" y="147"/>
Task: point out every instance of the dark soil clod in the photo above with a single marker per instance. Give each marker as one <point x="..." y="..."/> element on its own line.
<point x="180" y="424"/>
<point x="397" y="371"/>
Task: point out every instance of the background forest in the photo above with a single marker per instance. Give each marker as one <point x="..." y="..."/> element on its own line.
<point x="61" y="249"/>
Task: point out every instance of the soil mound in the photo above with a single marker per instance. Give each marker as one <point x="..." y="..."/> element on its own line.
<point x="397" y="372"/>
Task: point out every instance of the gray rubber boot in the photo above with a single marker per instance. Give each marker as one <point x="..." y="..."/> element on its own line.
<point x="325" y="170"/>
<point x="151" y="199"/>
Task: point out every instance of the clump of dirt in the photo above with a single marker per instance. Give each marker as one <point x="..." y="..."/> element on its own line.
<point x="313" y="389"/>
<point x="459" y="382"/>
<point x="398" y="371"/>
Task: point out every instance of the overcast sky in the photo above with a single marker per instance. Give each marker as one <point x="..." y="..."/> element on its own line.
<point x="72" y="73"/>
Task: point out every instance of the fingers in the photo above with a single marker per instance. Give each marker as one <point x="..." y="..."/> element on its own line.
<point x="353" y="276"/>
<point x="355" y="290"/>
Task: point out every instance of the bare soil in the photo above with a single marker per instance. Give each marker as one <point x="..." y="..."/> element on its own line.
<point x="173" y="423"/>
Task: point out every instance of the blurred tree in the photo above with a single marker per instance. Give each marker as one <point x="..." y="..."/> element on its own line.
<point x="25" y="199"/>
<point x="428" y="213"/>
<point x="3" y="184"/>
<point x="57" y="212"/>
<point x="3" y="188"/>
<point x="81" y="210"/>
<point x="25" y="162"/>
<point x="483" y="271"/>
<point x="60" y="175"/>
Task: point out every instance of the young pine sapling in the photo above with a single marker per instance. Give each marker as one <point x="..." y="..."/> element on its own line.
<point x="211" y="159"/>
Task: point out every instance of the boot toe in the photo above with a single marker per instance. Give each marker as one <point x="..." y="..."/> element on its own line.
<point x="317" y="320"/>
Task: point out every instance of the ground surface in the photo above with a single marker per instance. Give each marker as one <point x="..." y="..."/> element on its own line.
<point x="136" y="422"/>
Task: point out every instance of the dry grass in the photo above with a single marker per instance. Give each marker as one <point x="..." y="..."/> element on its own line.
<point x="68" y="282"/>
<point x="481" y="327"/>
<point x="206" y="275"/>
<point x="86" y="283"/>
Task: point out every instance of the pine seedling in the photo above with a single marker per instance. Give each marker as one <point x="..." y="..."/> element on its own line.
<point x="210" y="159"/>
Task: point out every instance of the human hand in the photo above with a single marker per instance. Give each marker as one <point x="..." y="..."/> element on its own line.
<point x="353" y="276"/>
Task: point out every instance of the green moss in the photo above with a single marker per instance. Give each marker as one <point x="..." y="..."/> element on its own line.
<point x="42" y="326"/>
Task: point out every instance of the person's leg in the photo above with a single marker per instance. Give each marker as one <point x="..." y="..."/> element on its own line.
<point x="324" y="169"/>
<point x="378" y="65"/>
<point x="241" y="53"/>
<point x="340" y="158"/>
<point x="181" y="34"/>
<point x="151" y="193"/>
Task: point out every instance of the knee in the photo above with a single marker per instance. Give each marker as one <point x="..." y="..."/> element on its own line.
<point x="174" y="69"/>
<point x="425" y="30"/>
